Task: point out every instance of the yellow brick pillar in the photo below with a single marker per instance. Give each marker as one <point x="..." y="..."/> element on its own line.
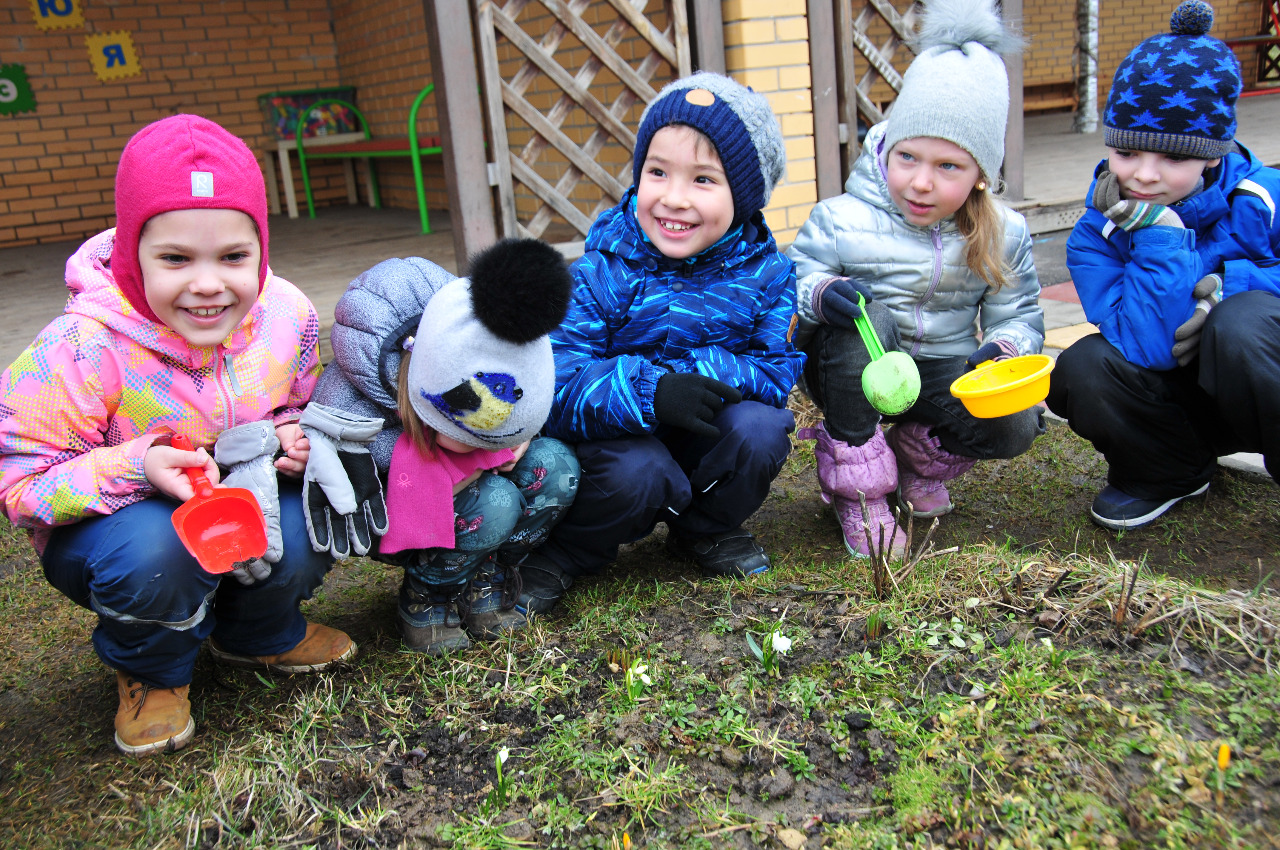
<point x="766" y="44"/>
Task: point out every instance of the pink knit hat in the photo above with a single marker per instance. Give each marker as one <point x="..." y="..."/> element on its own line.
<point x="182" y="162"/>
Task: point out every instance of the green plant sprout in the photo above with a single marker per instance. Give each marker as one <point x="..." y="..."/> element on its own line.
<point x="637" y="680"/>
<point x="771" y="650"/>
<point x="501" y="793"/>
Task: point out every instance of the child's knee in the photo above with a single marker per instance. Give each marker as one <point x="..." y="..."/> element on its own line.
<point x="490" y="516"/>
<point x="548" y="474"/>
<point x="762" y="430"/>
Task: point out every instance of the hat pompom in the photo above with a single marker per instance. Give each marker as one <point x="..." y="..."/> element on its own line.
<point x="520" y="289"/>
<point x="1192" y="17"/>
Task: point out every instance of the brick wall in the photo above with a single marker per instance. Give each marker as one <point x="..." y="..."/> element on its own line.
<point x="57" y="164"/>
<point x="767" y="47"/>
<point x="1048" y="61"/>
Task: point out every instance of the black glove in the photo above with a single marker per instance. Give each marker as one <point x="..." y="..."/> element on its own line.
<point x="341" y="491"/>
<point x="690" y="401"/>
<point x="1208" y="293"/>
<point x="835" y="301"/>
<point x="986" y="351"/>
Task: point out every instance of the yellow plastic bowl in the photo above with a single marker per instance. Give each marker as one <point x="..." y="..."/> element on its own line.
<point x="1003" y="387"/>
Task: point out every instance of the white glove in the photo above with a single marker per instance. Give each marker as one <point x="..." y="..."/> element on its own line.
<point x="248" y="452"/>
<point x="341" y="491"/>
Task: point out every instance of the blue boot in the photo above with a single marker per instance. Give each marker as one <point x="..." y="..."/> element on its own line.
<point x="492" y="608"/>
<point x="430" y="616"/>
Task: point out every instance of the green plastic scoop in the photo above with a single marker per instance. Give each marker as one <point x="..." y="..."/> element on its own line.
<point x="891" y="381"/>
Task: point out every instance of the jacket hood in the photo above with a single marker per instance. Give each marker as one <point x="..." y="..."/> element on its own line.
<point x="618" y="232"/>
<point x="95" y="295"/>
<point x="379" y="310"/>
<point x="868" y="183"/>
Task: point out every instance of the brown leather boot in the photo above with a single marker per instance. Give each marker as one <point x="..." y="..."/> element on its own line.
<point x="320" y="649"/>
<point x="151" y="720"/>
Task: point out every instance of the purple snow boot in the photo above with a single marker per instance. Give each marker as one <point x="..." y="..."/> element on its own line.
<point x="843" y="471"/>
<point x="923" y="466"/>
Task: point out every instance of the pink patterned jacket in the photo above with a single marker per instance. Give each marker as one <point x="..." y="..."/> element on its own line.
<point x="81" y="406"/>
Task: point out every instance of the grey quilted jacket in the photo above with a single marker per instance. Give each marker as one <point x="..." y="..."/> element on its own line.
<point x="918" y="273"/>
<point x="379" y="309"/>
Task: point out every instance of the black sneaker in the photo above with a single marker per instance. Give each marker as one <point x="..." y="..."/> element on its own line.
<point x="542" y="582"/>
<point x="730" y="553"/>
<point x="430" y="619"/>
<point x="492" y="606"/>
<point x="1116" y="509"/>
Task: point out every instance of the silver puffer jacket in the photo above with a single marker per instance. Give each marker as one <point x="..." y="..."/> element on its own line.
<point x="918" y="273"/>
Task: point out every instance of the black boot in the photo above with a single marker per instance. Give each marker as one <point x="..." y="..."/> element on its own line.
<point x="543" y="583"/>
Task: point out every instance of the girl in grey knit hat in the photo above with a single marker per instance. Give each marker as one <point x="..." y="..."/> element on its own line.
<point x="919" y="239"/>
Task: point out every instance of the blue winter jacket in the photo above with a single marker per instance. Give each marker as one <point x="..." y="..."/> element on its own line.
<point x="1136" y="287"/>
<point x="637" y="313"/>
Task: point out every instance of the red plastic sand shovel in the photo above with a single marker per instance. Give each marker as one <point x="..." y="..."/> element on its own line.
<point x="220" y="527"/>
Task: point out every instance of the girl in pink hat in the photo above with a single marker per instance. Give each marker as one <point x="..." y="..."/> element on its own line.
<point x="174" y="325"/>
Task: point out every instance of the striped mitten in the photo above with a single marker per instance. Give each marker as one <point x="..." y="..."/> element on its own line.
<point x="1130" y="215"/>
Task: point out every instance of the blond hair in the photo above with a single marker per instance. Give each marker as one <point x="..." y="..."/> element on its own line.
<point x="422" y="437"/>
<point x="981" y="222"/>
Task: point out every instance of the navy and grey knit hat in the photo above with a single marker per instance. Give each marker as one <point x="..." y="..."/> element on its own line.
<point x="957" y="87"/>
<point x="1176" y="93"/>
<point x="738" y="121"/>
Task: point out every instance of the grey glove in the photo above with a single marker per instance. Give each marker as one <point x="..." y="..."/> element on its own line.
<point x="341" y="491"/>
<point x="1208" y="293"/>
<point x="1130" y="215"/>
<point x="248" y="453"/>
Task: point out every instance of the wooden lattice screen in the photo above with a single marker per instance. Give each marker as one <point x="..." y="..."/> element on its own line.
<point x="877" y="36"/>
<point x="565" y="82"/>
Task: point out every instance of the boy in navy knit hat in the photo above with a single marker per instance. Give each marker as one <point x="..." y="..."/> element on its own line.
<point x="1175" y="261"/>
<point x="674" y="363"/>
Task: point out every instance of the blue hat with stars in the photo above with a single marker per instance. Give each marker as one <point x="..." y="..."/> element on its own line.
<point x="1176" y="93"/>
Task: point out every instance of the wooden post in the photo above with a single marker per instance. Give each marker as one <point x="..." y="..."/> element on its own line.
<point x="466" y="174"/>
<point x="1014" y="187"/>
<point x="708" y="35"/>
<point x="822" y="80"/>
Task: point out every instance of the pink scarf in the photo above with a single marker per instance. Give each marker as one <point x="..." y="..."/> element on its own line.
<point x="420" y="493"/>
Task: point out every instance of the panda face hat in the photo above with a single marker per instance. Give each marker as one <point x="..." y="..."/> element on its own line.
<point x="482" y="371"/>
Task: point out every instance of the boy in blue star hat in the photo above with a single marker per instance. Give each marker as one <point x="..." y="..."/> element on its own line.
<point x="1175" y="261"/>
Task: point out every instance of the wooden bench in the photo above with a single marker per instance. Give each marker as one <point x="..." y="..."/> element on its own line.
<point x="363" y="146"/>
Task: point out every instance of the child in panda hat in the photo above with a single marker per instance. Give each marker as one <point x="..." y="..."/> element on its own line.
<point x="459" y="373"/>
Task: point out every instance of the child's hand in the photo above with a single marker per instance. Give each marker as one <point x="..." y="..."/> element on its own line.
<point x="518" y="451"/>
<point x="995" y="350"/>
<point x="1208" y="293"/>
<point x="690" y="401"/>
<point x="164" y="465"/>
<point x="297" y="448"/>
<point x="835" y="301"/>
<point x="1130" y="215"/>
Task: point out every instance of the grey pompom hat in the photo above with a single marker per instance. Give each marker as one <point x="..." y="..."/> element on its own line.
<point x="957" y="88"/>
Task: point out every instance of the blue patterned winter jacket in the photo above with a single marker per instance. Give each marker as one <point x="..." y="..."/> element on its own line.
<point x="1136" y="287"/>
<point x="637" y="313"/>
